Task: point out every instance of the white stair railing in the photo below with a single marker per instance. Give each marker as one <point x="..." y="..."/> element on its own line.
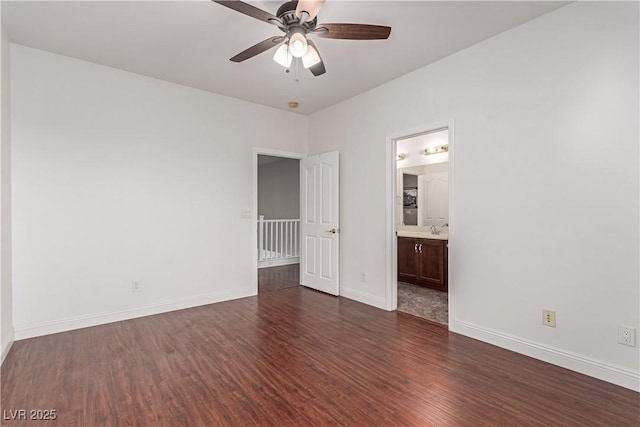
<point x="278" y="241"/>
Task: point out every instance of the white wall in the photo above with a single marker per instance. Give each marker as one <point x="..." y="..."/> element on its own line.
<point x="120" y="178"/>
<point x="279" y="189"/>
<point x="6" y="302"/>
<point x="546" y="132"/>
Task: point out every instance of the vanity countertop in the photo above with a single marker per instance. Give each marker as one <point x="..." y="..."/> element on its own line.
<point x="422" y="235"/>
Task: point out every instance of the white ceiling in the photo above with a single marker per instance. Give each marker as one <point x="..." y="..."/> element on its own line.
<point x="190" y="42"/>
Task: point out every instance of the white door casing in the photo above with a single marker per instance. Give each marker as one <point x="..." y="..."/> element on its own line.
<point x="319" y="222"/>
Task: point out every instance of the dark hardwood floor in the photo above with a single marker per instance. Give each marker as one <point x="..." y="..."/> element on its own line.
<point x="295" y="357"/>
<point x="276" y="278"/>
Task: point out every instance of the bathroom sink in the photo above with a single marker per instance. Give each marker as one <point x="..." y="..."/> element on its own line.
<point x="422" y="235"/>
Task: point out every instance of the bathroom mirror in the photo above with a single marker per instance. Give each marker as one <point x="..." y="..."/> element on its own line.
<point x="423" y="180"/>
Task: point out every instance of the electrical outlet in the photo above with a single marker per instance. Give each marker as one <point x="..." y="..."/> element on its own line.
<point x="363" y="277"/>
<point x="136" y="286"/>
<point x="549" y="318"/>
<point x="627" y="335"/>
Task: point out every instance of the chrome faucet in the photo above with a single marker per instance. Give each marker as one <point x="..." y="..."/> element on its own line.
<point x="434" y="230"/>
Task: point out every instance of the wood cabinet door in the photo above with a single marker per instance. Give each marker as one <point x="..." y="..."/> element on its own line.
<point x="407" y="259"/>
<point x="431" y="265"/>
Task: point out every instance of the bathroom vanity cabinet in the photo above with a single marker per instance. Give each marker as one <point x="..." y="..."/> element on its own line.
<point x="423" y="262"/>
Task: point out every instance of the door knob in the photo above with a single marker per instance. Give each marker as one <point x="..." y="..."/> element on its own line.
<point x="333" y="230"/>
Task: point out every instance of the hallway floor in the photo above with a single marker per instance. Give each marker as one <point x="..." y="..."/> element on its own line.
<point x="280" y="277"/>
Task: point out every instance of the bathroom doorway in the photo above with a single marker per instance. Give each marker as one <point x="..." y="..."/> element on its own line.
<point x="421" y="222"/>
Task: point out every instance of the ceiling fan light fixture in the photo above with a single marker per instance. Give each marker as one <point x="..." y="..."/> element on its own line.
<point x="296" y="19"/>
<point x="298" y="43"/>
<point x="310" y="58"/>
<point x="283" y="56"/>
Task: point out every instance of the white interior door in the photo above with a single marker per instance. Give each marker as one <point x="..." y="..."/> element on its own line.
<point x="319" y="225"/>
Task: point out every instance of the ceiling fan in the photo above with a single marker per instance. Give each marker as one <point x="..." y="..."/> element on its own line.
<point x="297" y="19"/>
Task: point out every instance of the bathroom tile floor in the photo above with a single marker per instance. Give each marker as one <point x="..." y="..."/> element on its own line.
<point x="423" y="302"/>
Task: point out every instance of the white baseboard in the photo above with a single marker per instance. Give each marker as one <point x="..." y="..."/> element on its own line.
<point x="363" y="297"/>
<point x="5" y="346"/>
<point x="593" y="368"/>
<point x="278" y="262"/>
<point x="78" y="322"/>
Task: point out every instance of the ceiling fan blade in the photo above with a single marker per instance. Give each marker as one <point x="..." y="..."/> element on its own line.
<point x="312" y="7"/>
<point x="249" y="10"/>
<point x="352" y="31"/>
<point x="258" y="48"/>
<point x="317" y="69"/>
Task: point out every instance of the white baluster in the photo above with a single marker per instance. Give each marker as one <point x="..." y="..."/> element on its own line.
<point x="270" y="239"/>
<point x="278" y="232"/>
<point x="286" y="239"/>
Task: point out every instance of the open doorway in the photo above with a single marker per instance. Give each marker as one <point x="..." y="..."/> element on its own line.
<point x="278" y="222"/>
<point x="421" y="223"/>
<point x="317" y="221"/>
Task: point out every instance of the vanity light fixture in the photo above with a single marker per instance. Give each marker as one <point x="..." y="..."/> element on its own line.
<point x="436" y="149"/>
<point x="401" y="156"/>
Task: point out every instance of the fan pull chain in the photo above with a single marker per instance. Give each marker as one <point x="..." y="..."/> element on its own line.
<point x="297" y="69"/>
